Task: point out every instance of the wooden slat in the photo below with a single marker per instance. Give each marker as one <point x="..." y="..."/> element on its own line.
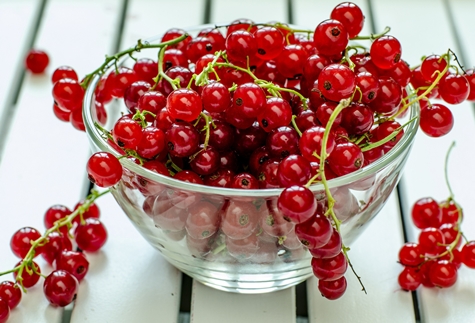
<point x="133" y="282"/>
<point x="209" y="305"/>
<point x="427" y="32"/>
<point x="44" y="159"/>
<point x="382" y="238"/>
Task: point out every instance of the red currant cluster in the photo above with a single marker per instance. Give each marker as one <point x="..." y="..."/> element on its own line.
<point x="434" y="260"/>
<point x="88" y="234"/>
<point x="261" y="106"/>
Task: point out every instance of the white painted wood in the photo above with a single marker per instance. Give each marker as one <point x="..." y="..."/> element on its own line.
<point x="131" y="281"/>
<point x="16" y="18"/>
<point x="210" y="305"/>
<point x="44" y="159"/>
<point x="224" y="11"/>
<point x="374" y="254"/>
<point x="423" y="29"/>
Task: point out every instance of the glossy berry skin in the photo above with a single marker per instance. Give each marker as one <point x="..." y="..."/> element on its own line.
<point x="450" y="212"/>
<point x="63" y="72"/>
<point x="151" y="143"/>
<point x="315" y="232"/>
<point x="20" y="243"/>
<point x="336" y="82"/>
<point x="351" y="16"/>
<point x="184" y="104"/>
<point x="60" y="288"/>
<point x="282" y="141"/>
<point x="291" y="61"/>
<point x="443" y="274"/>
<point x="330" y="249"/>
<point x="369" y="86"/>
<point x="240" y="45"/>
<point x="29" y="280"/>
<point x="249" y="99"/>
<point x="215" y="97"/>
<point x="436" y="120"/>
<point x="431" y="241"/>
<point x="11" y="293"/>
<point x="202" y="221"/>
<point x="275" y="113"/>
<point x="426" y="213"/>
<point x="73" y="262"/>
<point x="384" y="130"/>
<point x="205" y="161"/>
<point x="470" y="76"/>
<point x="294" y="170"/>
<point x="409" y="279"/>
<point x="332" y="289"/>
<point x="127" y="132"/>
<point x="173" y="33"/>
<point x="430" y="65"/>
<point x="410" y="255"/>
<point x="311" y="142"/>
<point x="468" y="254"/>
<point x="385" y="52"/>
<point x="239" y="220"/>
<point x="357" y="118"/>
<point x="4" y="311"/>
<point x="68" y="94"/>
<point x="146" y="69"/>
<point x="270" y="42"/>
<point x="330" y="38"/>
<point x="297" y="203"/>
<point x="104" y="169"/>
<point x="245" y="181"/>
<point x="454" y="88"/>
<point x="56" y="243"/>
<point x="182" y="139"/>
<point x="121" y="80"/>
<point x="388" y="97"/>
<point x="346" y="158"/>
<point x="330" y="268"/>
<point x="91" y="235"/>
<point x="133" y="93"/>
<point x="36" y="61"/>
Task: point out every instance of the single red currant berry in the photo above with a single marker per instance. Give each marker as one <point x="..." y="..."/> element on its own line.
<point x="205" y="161"/>
<point x="36" y="61"/>
<point x="470" y="76"/>
<point x="332" y="289"/>
<point x="336" y="82"/>
<point x="4" y="311"/>
<point x="10" y="292"/>
<point x="410" y="279"/>
<point x="152" y="142"/>
<point x="454" y="88"/>
<point x="431" y="65"/>
<point x="426" y="213"/>
<point x="330" y="249"/>
<point x="431" y="241"/>
<point x="146" y="69"/>
<point x="275" y="113"/>
<point x="291" y="61"/>
<point x="21" y="241"/>
<point x="450" y="212"/>
<point x="239" y="219"/>
<point x="351" y="16"/>
<point x="184" y="104"/>
<point x="329" y="268"/>
<point x="127" y="132"/>
<point x="330" y="37"/>
<point x="68" y="94"/>
<point x="56" y="243"/>
<point x="28" y="280"/>
<point x="203" y="220"/>
<point x="104" y="169"/>
<point x="73" y="262"/>
<point x="297" y="203"/>
<point x="270" y="42"/>
<point x="310" y="143"/>
<point x="436" y="120"/>
<point x="121" y="80"/>
<point x="91" y="235"/>
<point x="294" y="170"/>
<point x="249" y="99"/>
<point x="60" y="288"/>
<point x="315" y="232"/>
<point x="215" y="97"/>
<point x="346" y="158"/>
<point x="173" y="33"/>
<point x="385" y="52"/>
<point x="64" y="72"/>
<point x="443" y="274"/>
<point x="182" y="139"/>
<point x="241" y="45"/>
<point x="468" y="254"/>
<point x="410" y="255"/>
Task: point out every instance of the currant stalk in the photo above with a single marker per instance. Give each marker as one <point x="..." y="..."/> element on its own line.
<point x="26" y="264"/>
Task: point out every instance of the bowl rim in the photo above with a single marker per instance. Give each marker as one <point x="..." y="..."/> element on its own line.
<point x="95" y="138"/>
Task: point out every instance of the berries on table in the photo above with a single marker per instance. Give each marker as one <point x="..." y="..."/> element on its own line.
<point x="36" y="61"/>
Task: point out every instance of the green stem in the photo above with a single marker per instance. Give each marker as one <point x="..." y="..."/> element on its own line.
<point x="294" y="124"/>
<point x="112" y="60"/>
<point x="373" y="36"/>
<point x="446" y="172"/>
<point x="387" y="138"/>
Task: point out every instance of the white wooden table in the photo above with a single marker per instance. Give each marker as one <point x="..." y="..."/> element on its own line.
<point x="42" y="162"/>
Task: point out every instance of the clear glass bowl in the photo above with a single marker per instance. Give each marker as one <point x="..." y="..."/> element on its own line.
<point x="162" y="209"/>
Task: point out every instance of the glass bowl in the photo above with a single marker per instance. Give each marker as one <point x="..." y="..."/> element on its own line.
<point x="259" y="254"/>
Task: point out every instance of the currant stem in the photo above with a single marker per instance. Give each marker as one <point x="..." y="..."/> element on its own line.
<point x="295" y="125"/>
<point x="27" y="261"/>
<point x="446" y="172"/>
<point x="373" y="36"/>
<point x="161" y="73"/>
<point x="114" y="58"/>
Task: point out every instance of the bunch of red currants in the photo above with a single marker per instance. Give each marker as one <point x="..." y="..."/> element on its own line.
<point x="258" y="106"/>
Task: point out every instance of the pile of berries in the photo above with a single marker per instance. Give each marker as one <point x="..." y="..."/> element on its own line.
<point x="69" y="234"/>
<point x="259" y="106"/>
<point x="433" y="261"/>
